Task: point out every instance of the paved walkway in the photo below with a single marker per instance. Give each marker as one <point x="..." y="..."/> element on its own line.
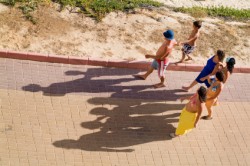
<point x="54" y="114"/>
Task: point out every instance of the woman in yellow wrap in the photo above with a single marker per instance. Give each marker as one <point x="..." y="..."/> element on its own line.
<point x="191" y="113"/>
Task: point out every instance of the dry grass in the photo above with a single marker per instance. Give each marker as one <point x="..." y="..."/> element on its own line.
<point x="142" y="50"/>
<point x="102" y="34"/>
<point x="156" y="36"/>
<point x="223" y="38"/>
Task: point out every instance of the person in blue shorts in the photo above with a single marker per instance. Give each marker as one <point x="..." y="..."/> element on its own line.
<point x="212" y="63"/>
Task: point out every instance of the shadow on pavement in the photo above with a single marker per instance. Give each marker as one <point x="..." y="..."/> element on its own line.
<point x="124" y="124"/>
<point x="109" y="81"/>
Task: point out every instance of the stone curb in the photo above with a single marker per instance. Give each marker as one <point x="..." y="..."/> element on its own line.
<point x="97" y="62"/>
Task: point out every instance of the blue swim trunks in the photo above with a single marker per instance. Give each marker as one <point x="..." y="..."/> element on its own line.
<point x="161" y="66"/>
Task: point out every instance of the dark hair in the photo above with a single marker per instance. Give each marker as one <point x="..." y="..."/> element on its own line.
<point x="220" y="76"/>
<point x="197" y="24"/>
<point x="230" y="65"/>
<point x="202" y="92"/>
<point x="221" y="55"/>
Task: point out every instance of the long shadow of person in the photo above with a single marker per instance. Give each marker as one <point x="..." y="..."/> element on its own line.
<point x="109" y="81"/>
<point x="90" y="82"/>
<point x="124" y="125"/>
<point x="147" y="92"/>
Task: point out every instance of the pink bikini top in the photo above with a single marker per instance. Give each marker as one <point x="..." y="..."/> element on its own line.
<point x="193" y="100"/>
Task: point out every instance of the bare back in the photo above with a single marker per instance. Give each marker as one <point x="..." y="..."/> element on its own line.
<point x="194" y="104"/>
<point x="194" y="35"/>
<point x="226" y="74"/>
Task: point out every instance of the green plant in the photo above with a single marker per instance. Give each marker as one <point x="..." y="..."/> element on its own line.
<point x="229" y="12"/>
<point x="194" y="11"/>
<point x="27" y="8"/>
<point x="99" y="8"/>
<point x="8" y="2"/>
<point x="225" y="12"/>
<point x="93" y="8"/>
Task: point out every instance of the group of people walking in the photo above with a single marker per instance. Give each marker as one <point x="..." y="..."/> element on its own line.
<point x="214" y="75"/>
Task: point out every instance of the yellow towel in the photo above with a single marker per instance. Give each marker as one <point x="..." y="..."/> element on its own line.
<point x="186" y="122"/>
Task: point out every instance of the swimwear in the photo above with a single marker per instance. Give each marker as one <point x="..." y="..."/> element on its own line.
<point x="214" y="88"/>
<point x="161" y="66"/>
<point x="193" y="100"/>
<point x="187" y="49"/>
<point x="212" y="80"/>
<point x="208" y="69"/>
<point x="186" y="122"/>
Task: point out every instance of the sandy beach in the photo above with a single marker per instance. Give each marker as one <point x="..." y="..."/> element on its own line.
<point x="123" y="36"/>
<point x="239" y="4"/>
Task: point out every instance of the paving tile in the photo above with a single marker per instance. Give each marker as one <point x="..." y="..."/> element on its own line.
<point x="92" y="76"/>
<point x="56" y="114"/>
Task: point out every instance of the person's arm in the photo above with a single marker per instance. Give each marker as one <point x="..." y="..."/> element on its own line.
<point x="216" y="69"/>
<point x="189" y="40"/>
<point x="201" y="107"/>
<point x="153" y="56"/>
<point x="226" y="76"/>
<point x="150" y="56"/>
<point x="209" y="80"/>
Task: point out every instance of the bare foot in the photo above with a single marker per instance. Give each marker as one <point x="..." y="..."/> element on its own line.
<point x="189" y="59"/>
<point x="216" y="103"/>
<point x="173" y="135"/>
<point x="207" y="117"/>
<point x="160" y="85"/>
<point x="142" y="77"/>
<point x="185" y="88"/>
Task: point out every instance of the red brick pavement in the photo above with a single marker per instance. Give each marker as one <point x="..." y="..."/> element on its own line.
<point x="61" y="79"/>
<point x="55" y="114"/>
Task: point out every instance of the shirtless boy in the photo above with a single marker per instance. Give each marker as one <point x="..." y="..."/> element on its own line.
<point x="161" y="60"/>
<point x="189" y="45"/>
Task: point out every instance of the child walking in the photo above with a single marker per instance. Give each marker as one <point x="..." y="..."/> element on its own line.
<point x="161" y="59"/>
<point x="189" y="45"/>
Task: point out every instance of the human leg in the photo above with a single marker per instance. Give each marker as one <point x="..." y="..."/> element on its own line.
<point x="161" y="73"/>
<point x="154" y="66"/>
<point x="182" y="58"/>
<point x="187" y="88"/>
<point x="216" y="103"/>
<point x="209" y="105"/>
<point x="188" y="50"/>
<point x="189" y="58"/>
<point x="202" y="74"/>
<point x="144" y="76"/>
<point x="161" y="84"/>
